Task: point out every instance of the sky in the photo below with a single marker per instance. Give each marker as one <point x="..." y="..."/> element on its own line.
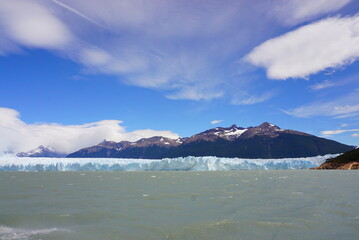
<point x="75" y="72"/>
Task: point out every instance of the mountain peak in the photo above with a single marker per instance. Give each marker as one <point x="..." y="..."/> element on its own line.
<point x="265" y="129"/>
<point x="211" y="135"/>
<point x="157" y="141"/>
<point x="41" y="151"/>
<point x="268" y="125"/>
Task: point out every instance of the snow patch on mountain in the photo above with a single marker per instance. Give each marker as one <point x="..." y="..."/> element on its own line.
<point x="237" y="132"/>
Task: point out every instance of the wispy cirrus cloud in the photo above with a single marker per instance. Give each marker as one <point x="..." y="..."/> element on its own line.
<point x="17" y="135"/>
<point x="75" y="11"/>
<point x="296" y="11"/>
<point x="216" y="121"/>
<point x="322" y="85"/>
<point x="340" y="107"/>
<point x="179" y="48"/>
<point x="333" y="132"/>
<point x="144" y="44"/>
<point x="246" y="99"/>
<point x="329" y="43"/>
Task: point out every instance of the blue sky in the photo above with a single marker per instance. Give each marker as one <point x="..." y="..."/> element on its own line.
<point x="73" y="73"/>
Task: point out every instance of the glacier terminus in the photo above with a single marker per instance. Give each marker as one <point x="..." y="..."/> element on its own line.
<point x="13" y="163"/>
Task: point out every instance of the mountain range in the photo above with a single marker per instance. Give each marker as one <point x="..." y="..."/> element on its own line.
<point x="264" y="141"/>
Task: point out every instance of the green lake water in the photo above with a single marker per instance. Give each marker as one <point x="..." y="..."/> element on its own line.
<point x="288" y="204"/>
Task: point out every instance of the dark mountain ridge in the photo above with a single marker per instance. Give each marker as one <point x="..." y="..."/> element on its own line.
<point x="264" y="141"/>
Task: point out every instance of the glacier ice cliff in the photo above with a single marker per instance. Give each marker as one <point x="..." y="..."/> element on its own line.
<point x="13" y="163"/>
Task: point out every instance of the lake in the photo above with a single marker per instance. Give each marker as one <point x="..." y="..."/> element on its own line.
<point x="272" y="204"/>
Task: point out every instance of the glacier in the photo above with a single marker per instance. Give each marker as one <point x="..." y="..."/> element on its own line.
<point x="13" y="163"/>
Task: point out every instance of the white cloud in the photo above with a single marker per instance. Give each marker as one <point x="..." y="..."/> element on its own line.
<point x="216" y="121"/>
<point x="330" y="43"/>
<point x="322" y="85"/>
<point x="333" y="132"/>
<point x="292" y="12"/>
<point x="177" y="56"/>
<point x="195" y="93"/>
<point x="95" y="57"/>
<point x="31" y="24"/>
<point x="18" y="136"/>
<point x="179" y="48"/>
<point x="355" y="135"/>
<point x="342" y="107"/>
<point x="251" y="99"/>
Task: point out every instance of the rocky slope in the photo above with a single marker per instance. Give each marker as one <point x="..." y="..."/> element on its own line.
<point x="154" y="147"/>
<point x="263" y="141"/>
<point x="346" y="161"/>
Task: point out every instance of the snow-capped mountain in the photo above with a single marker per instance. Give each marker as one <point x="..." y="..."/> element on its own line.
<point x="41" y="151"/>
<point x="264" y="141"/>
<point x="229" y="133"/>
<point x="234" y="132"/>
